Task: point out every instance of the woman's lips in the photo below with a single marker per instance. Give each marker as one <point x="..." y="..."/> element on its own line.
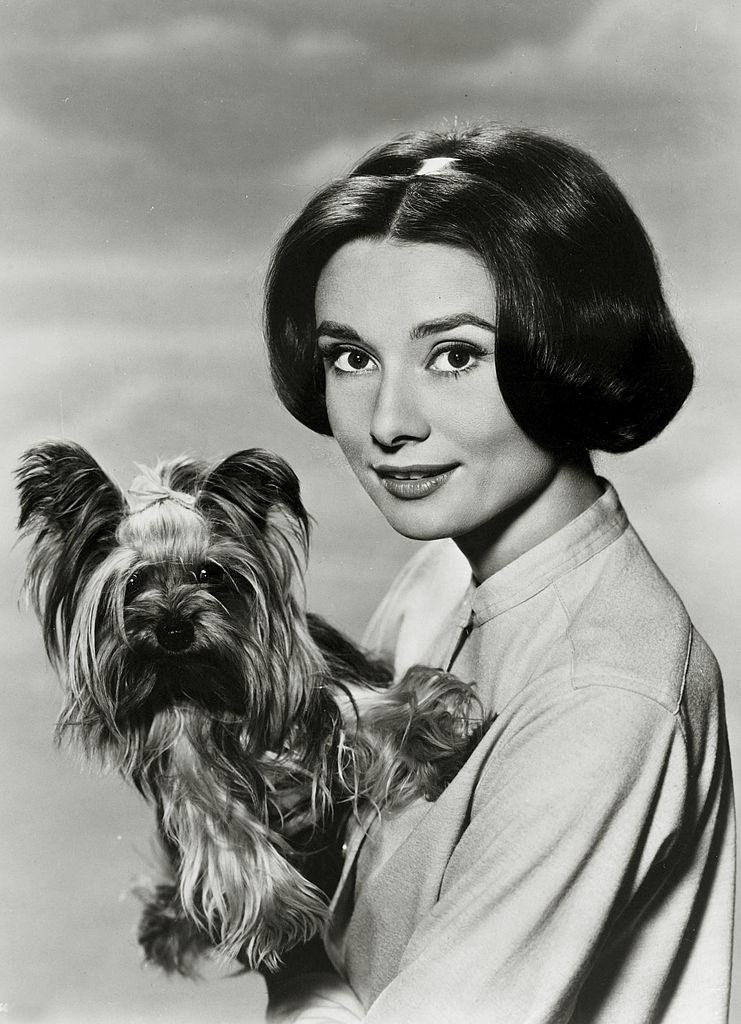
<point x="413" y="482"/>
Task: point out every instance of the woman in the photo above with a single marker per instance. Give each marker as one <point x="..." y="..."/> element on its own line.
<point x="470" y="315"/>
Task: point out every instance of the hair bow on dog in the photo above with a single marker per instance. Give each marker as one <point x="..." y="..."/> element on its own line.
<point x="147" y="490"/>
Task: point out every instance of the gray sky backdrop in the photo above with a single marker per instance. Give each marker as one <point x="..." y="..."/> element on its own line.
<point x="151" y="154"/>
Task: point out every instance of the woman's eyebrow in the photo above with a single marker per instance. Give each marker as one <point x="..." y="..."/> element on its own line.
<point x="331" y="329"/>
<point x="448" y="323"/>
<point x="343" y="332"/>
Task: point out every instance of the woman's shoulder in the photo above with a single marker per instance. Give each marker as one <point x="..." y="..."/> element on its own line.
<point x="420" y="599"/>
<point x="631" y="630"/>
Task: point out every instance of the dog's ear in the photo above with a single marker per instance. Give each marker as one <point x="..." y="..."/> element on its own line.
<point x="254" y="483"/>
<point x="60" y="486"/>
<point x="71" y="509"/>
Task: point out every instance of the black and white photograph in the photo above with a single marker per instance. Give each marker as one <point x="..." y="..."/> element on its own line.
<point x="370" y="511"/>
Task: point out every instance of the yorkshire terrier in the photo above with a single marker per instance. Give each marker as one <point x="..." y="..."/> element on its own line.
<point x="174" y="616"/>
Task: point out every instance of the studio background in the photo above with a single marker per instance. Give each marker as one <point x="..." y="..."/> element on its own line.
<point x="151" y="155"/>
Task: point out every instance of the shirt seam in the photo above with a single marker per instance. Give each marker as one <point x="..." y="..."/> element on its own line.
<point x="672" y="708"/>
<point x="500" y="746"/>
<point x="686" y="669"/>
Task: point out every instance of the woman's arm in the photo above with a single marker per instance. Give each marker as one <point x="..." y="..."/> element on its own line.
<point x="573" y="811"/>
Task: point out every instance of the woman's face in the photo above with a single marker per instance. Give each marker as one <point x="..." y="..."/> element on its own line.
<point x="406" y="332"/>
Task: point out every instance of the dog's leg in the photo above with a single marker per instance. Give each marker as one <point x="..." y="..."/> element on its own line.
<point x="169" y="936"/>
<point x="234" y="883"/>
<point x="232" y="892"/>
<point x="404" y="739"/>
<point x="413" y="737"/>
<point x="447" y="722"/>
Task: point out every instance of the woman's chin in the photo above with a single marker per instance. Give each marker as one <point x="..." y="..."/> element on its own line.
<point x="421" y="533"/>
<point x="414" y="524"/>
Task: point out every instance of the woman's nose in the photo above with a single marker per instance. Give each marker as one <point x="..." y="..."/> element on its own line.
<point x="397" y="414"/>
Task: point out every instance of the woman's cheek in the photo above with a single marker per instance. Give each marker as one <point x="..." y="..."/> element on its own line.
<point x="335" y="403"/>
<point x="471" y="415"/>
<point x="346" y="411"/>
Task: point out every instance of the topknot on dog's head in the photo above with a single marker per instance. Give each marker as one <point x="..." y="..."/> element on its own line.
<point x="240" y="494"/>
<point x="148" y="489"/>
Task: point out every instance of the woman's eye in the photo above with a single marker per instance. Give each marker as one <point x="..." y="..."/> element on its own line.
<point x="454" y="359"/>
<point x="350" y="360"/>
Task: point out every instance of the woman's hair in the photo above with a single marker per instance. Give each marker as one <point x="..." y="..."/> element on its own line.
<point x="587" y="354"/>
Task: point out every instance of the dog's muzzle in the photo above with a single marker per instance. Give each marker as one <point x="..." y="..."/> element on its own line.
<point x="175" y="633"/>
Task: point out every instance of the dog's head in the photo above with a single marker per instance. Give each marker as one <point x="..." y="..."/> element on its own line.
<point x="181" y="592"/>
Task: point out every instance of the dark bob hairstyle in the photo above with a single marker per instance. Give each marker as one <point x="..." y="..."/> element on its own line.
<point x="587" y="354"/>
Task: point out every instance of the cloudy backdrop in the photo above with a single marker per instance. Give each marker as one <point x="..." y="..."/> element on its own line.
<point x="151" y="155"/>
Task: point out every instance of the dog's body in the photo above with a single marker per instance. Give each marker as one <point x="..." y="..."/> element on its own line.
<point x="176" y="622"/>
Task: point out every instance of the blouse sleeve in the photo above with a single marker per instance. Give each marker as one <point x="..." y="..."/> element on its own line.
<point x="572" y="810"/>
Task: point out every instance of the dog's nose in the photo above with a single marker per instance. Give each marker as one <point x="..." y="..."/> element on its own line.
<point x="175" y="633"/>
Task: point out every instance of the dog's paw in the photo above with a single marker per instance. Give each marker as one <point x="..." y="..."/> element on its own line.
<point x="170" y="939"/>
<point x="447" y="722"/>
<point x="431" y="721"/>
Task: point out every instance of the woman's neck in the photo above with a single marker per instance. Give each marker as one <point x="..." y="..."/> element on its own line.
<point x="571" y="490"/>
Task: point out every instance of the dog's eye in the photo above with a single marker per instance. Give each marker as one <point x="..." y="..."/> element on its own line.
<point x="134" y="584"/>
<point x="210" y="573"/>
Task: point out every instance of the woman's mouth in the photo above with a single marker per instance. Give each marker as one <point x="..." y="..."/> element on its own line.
<point x="412" y="482"/>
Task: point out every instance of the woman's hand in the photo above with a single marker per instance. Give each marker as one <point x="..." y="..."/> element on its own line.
<point x="319" y="998"/>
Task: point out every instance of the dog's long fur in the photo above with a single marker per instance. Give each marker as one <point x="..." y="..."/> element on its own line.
<point x="175" y="619"/>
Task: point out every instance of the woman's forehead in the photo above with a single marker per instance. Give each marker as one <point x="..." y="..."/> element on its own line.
<point x="409" y="284"/>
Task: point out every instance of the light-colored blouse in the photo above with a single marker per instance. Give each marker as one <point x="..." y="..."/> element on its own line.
<point x="580" y="868"/>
